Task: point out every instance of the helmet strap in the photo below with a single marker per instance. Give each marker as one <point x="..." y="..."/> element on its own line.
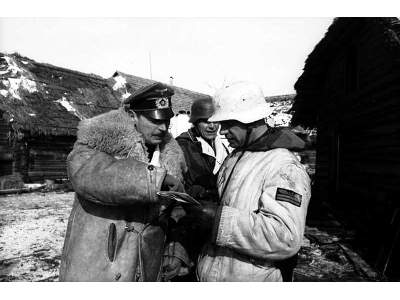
<point x="248" y="133"/>
<point x="249" y="129"/>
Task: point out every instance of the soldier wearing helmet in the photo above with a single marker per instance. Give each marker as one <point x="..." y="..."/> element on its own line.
<point x="264" y="193"/>
<point x="204" y="151"/>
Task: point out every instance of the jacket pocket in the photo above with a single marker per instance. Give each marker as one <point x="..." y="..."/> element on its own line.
<point x="112" y="241"/>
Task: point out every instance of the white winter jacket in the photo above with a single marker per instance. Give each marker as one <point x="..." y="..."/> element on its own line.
<point x="262" y="217"/>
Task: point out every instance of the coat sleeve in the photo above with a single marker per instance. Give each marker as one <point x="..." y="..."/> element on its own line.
<point x="275" y="230"/>
<point x="190" y="155"/>
<point x="101" y="178"/>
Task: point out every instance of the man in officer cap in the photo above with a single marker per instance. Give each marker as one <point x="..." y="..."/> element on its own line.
<point x="117" y="230"/>
<point x="263" y="192"/>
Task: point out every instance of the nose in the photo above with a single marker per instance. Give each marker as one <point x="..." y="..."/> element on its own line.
<point x="212" y="125"/>
<point x="163" y="126"/>
<point x="223" y="130"/>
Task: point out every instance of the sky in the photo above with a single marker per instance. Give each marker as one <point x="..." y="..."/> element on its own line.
<point x="200" y="53"/>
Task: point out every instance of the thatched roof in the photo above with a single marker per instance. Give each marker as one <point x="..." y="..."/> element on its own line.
<point x="340" y="34"/>
<point x="124" y="84"/>
<point x="44" y="99"/>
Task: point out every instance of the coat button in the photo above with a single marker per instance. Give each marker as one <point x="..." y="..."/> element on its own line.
<point x="150" y="167"/>
<point x="117" y="276"/>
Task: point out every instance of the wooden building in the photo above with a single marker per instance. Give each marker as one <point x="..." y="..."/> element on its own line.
<point x="41" y="105"/>
<point x="350" y="92"/>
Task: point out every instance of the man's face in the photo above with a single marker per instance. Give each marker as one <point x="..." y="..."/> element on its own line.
<point x="208" y="130"/>
<point x="153" y="130"/>
<point x="235" y="132"/>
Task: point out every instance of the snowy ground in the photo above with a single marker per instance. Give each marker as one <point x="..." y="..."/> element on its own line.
<point x="32" y="229"/>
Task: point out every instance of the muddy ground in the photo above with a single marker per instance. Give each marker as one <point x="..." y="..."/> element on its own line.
<point x="33" y="225"/>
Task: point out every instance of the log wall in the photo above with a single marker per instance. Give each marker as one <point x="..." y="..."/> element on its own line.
<point x="47" y="158"/>
<point x="358" y="144"/>
<point x="6" y="153"/>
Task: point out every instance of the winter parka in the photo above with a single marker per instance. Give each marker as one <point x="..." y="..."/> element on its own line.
<point x="200" y="178"/>
<point x="200" y="182"/>
<point x="113" y="233"/>
<point x="264" y="193"/>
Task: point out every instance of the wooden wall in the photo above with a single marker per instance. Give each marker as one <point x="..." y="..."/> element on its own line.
<point x="358" y="144"/>
<point x="6" y="153"/>
<point x="35" y="158"/>
<point x="47" y="157"/>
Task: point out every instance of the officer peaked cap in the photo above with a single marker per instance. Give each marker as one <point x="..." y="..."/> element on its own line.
<point x="153" y="100"/>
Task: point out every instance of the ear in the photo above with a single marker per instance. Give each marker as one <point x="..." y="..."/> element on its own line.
<point x="133" y="115"/>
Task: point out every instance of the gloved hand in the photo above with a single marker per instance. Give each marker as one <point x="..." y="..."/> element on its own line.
<point x="200" y="193"/>
<point x="171" y="183"/>
<point x="173" y="264"/>
<point x="172" y="267"/>
<point x="207" y="210"/>
<point x="203" y="216"/>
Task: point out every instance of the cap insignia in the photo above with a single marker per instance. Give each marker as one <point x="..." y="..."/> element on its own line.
<point x="162" y="103"/>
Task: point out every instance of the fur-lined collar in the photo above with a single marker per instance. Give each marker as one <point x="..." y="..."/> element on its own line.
<point x="115" y="133"/>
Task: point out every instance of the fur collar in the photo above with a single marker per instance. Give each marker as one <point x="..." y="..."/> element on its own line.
<point x="115" y="133"/>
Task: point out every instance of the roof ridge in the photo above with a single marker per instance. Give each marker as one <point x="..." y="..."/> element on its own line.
<point x="174" y="86"/>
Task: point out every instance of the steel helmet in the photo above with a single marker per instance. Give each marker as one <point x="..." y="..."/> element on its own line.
<point x="241" y="101"/>
<point x="202" y="108"/>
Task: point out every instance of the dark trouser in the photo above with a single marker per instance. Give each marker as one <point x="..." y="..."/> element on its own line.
<point x="287" y="267"/>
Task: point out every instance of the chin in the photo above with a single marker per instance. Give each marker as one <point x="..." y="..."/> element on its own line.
<point x="155" y="141"/>
<point x="210" y="136"/>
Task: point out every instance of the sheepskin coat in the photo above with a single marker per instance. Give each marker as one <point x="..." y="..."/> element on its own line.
<point x="113" y="232"/>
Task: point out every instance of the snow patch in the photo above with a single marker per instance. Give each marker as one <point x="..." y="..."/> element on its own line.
<point x="20" y="82"/>
<point x="4" y="93"/>
<point x="13" y="90"/>
<point x="279" y="116"/>
<point x="120" y="82"/>
<point x="24" y="62"/>
<point x="32" y="115"/>
<point x="279" y="120"/>
<point x="5" y="83"/>
<point x="28" y="84"/>
<point x="67" y="105"/>
<point x="12" y="67"/>
<point x="64" y="102"/>
<point x="126" y="95"/>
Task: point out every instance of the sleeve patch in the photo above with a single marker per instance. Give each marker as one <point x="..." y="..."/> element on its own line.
<point x="288" y="196"/>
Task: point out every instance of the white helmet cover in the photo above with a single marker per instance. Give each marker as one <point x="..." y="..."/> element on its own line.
<point x="241" y="101"/>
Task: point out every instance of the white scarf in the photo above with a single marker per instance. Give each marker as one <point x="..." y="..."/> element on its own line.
<point x="221" y="151"/>
<point x="155" y="159"/>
